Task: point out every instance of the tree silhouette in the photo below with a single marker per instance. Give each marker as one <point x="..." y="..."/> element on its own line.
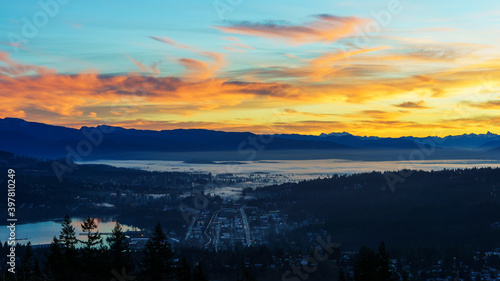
<point x="89" y="227"/>
<point x="183" y="270"/>
<point x="365" y="268"/>
<point x="341" y="275"/>
<point x="27" y="266"/>
<point x="68" y="241"/>
<point x="385" y="271"/>
<point x="198" y="274"/>
<point x="245" y="273"/>
<point x="157" y="260"/>
<point x="119" y="249"/>
<point x="371" y="266"/>
<point x="93" y="258"/>
<point x="68" y="234"/>
<point x="54" y="268"/>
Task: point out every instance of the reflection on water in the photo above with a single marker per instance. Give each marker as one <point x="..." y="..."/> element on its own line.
<point x="43" y="232"/>
<point x="299" y="168"/>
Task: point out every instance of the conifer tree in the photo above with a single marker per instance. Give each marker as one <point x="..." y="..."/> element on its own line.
<point x="183" y="271"/>
<point x="246" y="276"/>
<point x="385" y="271"/>
<point x="53" y="267"/>
<point x="27" y="266"/>
<point x="68" y="234"/>
<point x="68" y="241"/>
<point x="38" y="272"/>
<point x="92" y="257"/>
<point x="119" y="249"/>
<point x="157" y="260"/>
<point x="365" y="268"/>
<point x="198" y="274"/>
<point x="341" y="275"/>
<point x="89" y="227"/>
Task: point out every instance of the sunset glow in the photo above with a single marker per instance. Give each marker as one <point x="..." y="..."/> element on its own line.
<point x="384" y="68"/>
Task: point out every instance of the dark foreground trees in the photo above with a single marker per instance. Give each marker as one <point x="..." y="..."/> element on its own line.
<point x="119" y="249"/>
<point x="64" y="260"/>
<point x="157" y="261"/>
<point x="68" y="258"/>
<point x="374" y="266"/>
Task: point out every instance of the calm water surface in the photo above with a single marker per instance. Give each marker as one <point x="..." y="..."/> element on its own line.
<point x="43" y="232"/>
<point x="299" y="167"/>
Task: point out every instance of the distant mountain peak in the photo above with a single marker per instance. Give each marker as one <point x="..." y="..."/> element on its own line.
<point x="473" y="135"/>
<point x="32" y="137"/>
<point x="335" y="134"/>
<point x="14" y="120"/>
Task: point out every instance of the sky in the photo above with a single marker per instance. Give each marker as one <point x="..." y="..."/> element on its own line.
<point x="385" y="68"/>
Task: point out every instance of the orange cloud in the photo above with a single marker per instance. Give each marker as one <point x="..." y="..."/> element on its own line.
<point x="411" y="105"/>
<point x="231" y="39"/>
<point x="325" y="28"/>
<point x="205" y="92"/>
<point x="375" y="114"/>
<point x="491" y="104"/>
<point x="291" y="111"/>
<point x="77" y="96"/>
<point x="231" y="49"/>
<point x="329" y="64"/>
<point x="14" y="68"/>
<point x="196" y="69"/>
<point x="199" y="70"/>
<point x="487" y="122"/>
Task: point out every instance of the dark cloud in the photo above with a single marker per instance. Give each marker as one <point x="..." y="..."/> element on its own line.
<point x="411" y="104"/>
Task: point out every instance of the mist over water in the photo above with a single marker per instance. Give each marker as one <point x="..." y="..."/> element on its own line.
<point x="299" y="168"/>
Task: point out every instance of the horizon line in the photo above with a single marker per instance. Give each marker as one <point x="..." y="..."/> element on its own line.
<point x="266" y="134"/>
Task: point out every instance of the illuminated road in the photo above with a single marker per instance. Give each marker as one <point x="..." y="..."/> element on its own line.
<point x="246" y="227"/>
<point x="211" y="230"/>
<point x="190" y="229"/>
<point x="217" y="236"/>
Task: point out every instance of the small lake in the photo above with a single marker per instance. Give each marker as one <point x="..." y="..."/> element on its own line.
<point x="43" y="232"/>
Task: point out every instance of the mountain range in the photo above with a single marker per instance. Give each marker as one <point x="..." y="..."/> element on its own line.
<point x="101" y="142"/>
